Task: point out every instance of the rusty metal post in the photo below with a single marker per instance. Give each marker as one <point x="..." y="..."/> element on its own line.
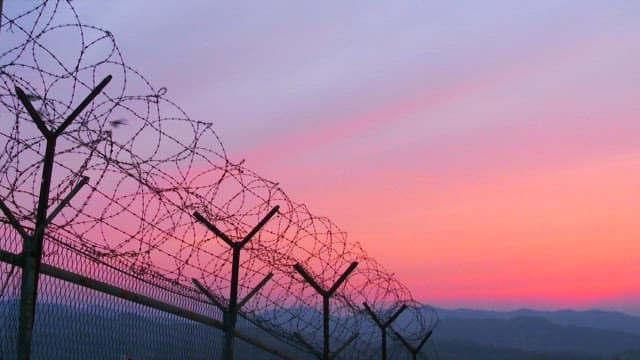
<point x="326" y="295"/>
<point x="384" y="325"/>
<point x="413" y="350"/>
<point x="230" y="312"/>
<point x="32" y="243"/>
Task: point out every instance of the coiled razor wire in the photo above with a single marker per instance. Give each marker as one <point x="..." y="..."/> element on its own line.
<point x="150" y="168"/>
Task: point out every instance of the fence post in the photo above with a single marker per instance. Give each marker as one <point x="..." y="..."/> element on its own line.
<point x="1" y="8"/>
<point x="384" y="325"/>
<point x="413" y="350"/>
<point x="326" y="295"/>
<point x="230" y="311"/>
<point x="32" y="243"/>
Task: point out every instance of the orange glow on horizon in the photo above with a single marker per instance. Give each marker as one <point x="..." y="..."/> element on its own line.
<point x="559" y="235"/>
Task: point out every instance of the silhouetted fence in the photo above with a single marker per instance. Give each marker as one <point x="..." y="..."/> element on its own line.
<point x="98" y="198"/>
<point x="97" y="310"/>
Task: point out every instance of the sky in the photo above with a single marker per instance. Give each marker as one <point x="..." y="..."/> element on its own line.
<point x="486" y="152"/>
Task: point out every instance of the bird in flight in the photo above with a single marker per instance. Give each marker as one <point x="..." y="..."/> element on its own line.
<point x="118" y="122"/>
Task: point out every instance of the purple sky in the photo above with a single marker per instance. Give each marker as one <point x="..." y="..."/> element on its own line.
<point x="488" y="153"/>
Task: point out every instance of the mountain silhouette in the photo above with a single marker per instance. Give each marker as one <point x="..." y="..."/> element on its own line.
<point x="536" y="334"/>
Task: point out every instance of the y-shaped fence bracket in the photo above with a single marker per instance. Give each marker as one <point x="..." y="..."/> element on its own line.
<point x="32" y="243"/>
<point x="225" y="309"/>
<point x="337" y="352"/>
<point x="384" y="325"/>
<point x="413" y="350"/>
<point x="230" y="312"/>
<point x="309" y="347"/>
<point x="326" y="295"/>
<point x="318" y="353"/>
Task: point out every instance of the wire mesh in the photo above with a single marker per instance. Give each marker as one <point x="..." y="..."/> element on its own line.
<point x="73" y="320"/>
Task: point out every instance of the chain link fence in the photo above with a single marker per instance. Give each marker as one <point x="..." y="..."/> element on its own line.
<point x="80" y="315"/>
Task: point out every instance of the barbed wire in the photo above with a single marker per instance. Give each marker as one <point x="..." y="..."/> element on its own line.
<point x="151" y="167"/>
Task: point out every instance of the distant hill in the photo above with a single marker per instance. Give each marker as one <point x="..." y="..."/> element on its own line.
<point x="628" y="355"/>
<point x="97" y="332"/>
<point x="466" y="350"/>
<point x="101" y="332"/>
<point x="606" y="320"/>
<point x="536" y="334"/>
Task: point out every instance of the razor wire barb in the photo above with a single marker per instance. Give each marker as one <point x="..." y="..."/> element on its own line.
<point x="151" y="167"/>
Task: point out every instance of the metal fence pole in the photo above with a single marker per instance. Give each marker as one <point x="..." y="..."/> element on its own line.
<point x="413" y="350"/>
<point x="383" y="325"/>
<point x="326" y="295"/>
<point x="32" y="243"/>
<point x="230" y="312"/>
<point x="1" y="12"/>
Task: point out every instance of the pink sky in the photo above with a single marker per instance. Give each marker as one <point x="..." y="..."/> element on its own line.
<point x="488" y="155"/>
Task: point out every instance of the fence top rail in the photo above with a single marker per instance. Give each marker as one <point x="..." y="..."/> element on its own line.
<point x="58" y="273"/>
